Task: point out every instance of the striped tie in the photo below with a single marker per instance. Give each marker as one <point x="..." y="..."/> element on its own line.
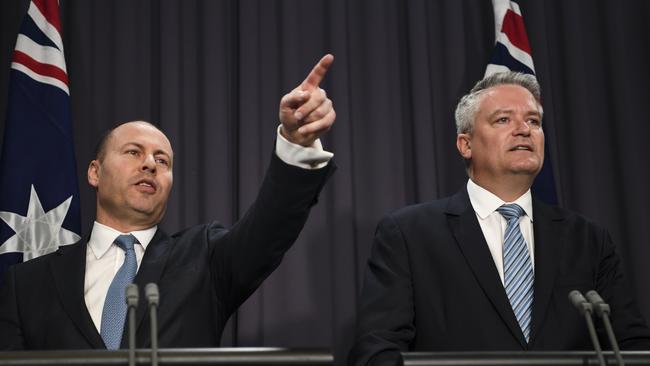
<point x="114" y="313"/>
<point x="517" y="268"/>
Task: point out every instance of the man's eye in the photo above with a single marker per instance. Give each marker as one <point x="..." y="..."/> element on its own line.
<point x="502" y="120"/>
<point x="535" y="122"/>
<point x="132" y="152"/>
<point x="162" y="161"/>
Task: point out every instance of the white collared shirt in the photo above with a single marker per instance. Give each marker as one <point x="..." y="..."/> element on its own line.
<point x="493" y="224"/>
<point x="103" y="260"/>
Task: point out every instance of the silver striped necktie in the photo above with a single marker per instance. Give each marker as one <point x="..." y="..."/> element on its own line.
<point x="518" y="273"/>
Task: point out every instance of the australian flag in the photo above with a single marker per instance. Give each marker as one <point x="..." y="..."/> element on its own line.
<point x="39" y="195"/>
<point x="512" y="53"/>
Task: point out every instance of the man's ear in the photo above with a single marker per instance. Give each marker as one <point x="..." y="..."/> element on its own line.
<point x="93" y="173"/>
<point x="464" y="145"/>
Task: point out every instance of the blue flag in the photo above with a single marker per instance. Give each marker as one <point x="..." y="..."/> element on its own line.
<point x="39" y="194"/>
<point x="512" y="53"/>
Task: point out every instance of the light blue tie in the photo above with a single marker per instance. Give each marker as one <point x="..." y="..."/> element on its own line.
<point x="114" y="313"/>
<point x="518" y="273"/>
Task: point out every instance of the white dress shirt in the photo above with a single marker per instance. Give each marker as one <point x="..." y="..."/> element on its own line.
<point x="104" y="258"/>
<point x="494" y="225"/>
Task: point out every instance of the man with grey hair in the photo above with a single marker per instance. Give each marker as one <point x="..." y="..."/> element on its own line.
<point x="490" y="267"/>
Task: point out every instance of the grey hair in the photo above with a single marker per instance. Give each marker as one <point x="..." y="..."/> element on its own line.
<point x="468" y="105"/>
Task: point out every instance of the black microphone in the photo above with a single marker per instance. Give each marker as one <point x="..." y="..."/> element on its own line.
<point x="586" y="309"/>
<point x="132" y="297"/>
<point x="153" y="299"/>
<point x="603" y="310"/>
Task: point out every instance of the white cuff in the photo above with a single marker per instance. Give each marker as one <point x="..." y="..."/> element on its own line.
<point x="311" y="157"/>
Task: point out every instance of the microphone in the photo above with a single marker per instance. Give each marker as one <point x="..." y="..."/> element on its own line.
<point x="603" y="310"/>
<point x="586" y="309"/>
<point x="153" y="299"/>
<point x="132" y="297"/>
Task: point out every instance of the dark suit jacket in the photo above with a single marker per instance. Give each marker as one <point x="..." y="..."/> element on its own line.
<point x="431" y="285"/>
<point x="204" y="273"/>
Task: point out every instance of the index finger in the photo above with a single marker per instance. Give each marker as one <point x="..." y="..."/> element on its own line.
<point x="317" y="73"/>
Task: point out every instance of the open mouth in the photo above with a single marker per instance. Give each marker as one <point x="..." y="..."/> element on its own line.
<point x="522" y="148"/>
<point x="147" y="185"/>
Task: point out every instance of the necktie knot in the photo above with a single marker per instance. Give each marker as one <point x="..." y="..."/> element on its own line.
<point x="126" y="242"/>
<point x="511" y="211"/>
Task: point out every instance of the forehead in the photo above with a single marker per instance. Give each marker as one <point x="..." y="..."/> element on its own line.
<point x="140" y="134"/>
<point x="508" y="96"/>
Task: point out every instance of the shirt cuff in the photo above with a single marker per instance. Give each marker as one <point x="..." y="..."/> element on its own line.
<point x="310" y="157"/>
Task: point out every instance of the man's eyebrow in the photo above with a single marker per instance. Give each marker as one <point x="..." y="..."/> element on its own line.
<point x="510" y="111"/>
<point x="140" y="146"/>
<point x="162" y="152"/>
<point x="499" y="111"/>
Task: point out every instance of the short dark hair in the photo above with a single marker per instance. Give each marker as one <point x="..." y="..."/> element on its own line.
<point x="100" y="148"/>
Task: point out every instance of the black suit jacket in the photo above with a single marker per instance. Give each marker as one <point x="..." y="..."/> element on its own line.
<point x="431" y="285"/>
<point x="204" y="273"/>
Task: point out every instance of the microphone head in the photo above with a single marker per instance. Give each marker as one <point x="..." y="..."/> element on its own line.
<point x="580" y="302"/>
<point x="576" y="298"/>
<point x="594" y="298"/>
<point x="599" y="304"/>
<point x="132" y="295"/>
<point x="152" y="294"/>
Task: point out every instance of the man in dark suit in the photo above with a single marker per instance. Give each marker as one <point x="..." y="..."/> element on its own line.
<point x="490" y="268"/>
<point x="74" y="298"/>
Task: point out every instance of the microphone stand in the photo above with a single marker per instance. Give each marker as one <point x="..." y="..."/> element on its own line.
<point x="153" y="299"/>
<point x="586" y="309"/>
<point x="132" y="297"/>
<point x="603" y="310"/>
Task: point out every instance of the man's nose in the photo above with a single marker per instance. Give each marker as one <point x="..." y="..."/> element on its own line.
<point x="149" y="163"/>
<point x="522" y="127"/>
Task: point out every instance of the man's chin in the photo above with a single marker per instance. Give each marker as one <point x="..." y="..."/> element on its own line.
<point x="147" y="214"/>
<point x="531" y="169"/>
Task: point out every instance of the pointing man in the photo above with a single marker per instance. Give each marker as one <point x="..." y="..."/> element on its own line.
<point x="74" y="298"/>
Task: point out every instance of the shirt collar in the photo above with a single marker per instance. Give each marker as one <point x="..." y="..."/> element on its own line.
<point x="486" y="202"/>
<point x="102" y="237"/>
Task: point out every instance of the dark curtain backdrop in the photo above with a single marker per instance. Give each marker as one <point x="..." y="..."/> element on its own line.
<point x="211" y="74"/>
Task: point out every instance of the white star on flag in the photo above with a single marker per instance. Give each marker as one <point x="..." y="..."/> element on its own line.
<point x="38" y="233"/>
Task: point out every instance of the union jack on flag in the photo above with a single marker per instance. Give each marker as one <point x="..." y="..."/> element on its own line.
<point x="511" y="49"/>
<point x="39" y="195"/>
<point x="512" y="52"/>
<point x="39" y="47"/>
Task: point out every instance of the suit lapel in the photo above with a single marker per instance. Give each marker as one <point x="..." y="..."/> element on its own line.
<point x="68" y="270"/>
<point x="547" y="227"/>
<point x="469" y="236"/>
<point x="150" y="271"/>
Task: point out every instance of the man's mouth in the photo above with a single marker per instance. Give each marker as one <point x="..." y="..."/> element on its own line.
<point x="147" y="184"/>
<point x="523" y="147"/>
